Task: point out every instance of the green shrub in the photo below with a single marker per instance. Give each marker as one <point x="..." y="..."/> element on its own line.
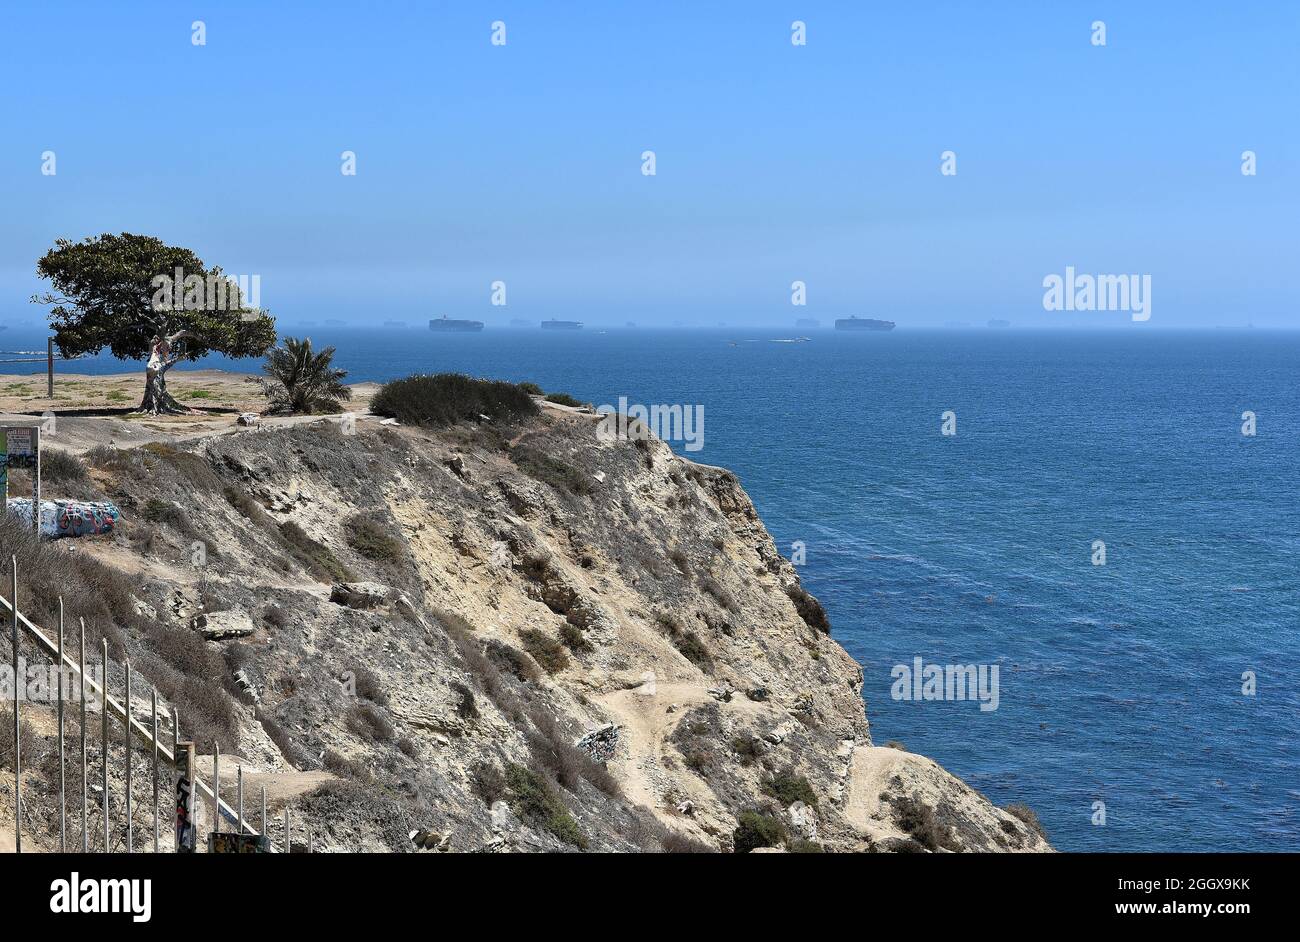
<point x="715" y="589"/>
<point x="787" y="788"/>
<point x="372" y="540"/>
<point x="548" y="469"/>
<point x="573" y="637"/>
<point x="1027" y="815"/>
<point x="564" y="399"/>
<point x="693" y="649"/>
<point x="60" y="467"/>
<point x="802" y="846"/>
<point x="367" y="721"/>
<point x="466" y="706"/>
<point x="250" y="508"/>
<point x="748" y="748"/>
<point x="755" y="829"/>
<point x="536" y="802"/>
<point x="513" y="661"/>
<point x="531" y="388"/>
<point x="919" y="821"/>
<point x="809" y="609"/>
<point x="487" y="782"/>
<point x="315" y="557"/>
<point x="545" y="650"/>
<point x="685" y="640"/>
<point x="448" y="398"/>
<point x="368" y="686"/>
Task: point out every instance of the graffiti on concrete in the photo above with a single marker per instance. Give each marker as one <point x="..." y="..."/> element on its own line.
<point x="69" y="518"/>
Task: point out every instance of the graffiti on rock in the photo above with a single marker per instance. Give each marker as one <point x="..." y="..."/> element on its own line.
<point x="69" y="518"/>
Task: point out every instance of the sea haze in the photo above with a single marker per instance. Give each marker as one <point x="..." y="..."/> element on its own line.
<point x="1119" y="683"/>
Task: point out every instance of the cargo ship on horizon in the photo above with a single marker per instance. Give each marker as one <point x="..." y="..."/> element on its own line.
<point x="862" y="323"/>
<point x="561" y="325"/>
<point x="446" y="323"/>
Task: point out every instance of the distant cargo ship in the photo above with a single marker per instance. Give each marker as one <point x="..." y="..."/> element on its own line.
<point x="997" y="323"/>
<point x="862" y="323"/>
<point x="561" y="325"/>
<point x="446" y="323"/>
<point x="808" y="322"/>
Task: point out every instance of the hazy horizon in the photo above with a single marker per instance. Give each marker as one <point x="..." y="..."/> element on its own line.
<point x="775" y="163"/>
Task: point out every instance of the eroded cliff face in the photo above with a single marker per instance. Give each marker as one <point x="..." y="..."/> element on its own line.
<point x="522" y="639"/>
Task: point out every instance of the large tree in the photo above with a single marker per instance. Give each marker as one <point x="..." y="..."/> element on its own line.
<point x="140" y="298"/>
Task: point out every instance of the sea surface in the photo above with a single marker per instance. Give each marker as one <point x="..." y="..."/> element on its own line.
<point x="1119" y="683"/>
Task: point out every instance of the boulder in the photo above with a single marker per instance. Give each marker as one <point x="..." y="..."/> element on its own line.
<point x="221" y="626"/>
<point x="803" y="820"/>
<point x="359" y="594"/>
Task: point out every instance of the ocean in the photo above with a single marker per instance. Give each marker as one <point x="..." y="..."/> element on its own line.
<point x="1120" y="685"/>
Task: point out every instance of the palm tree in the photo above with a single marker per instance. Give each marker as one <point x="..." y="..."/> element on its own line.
<point x="301" y="382"/>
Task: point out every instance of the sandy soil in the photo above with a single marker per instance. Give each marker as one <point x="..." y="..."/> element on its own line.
<point x="97" y="410"/>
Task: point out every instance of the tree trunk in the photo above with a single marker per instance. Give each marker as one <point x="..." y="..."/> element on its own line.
<point x="157" y="400"/>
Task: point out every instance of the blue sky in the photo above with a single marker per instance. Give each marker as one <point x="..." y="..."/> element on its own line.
<point x="774" y="163"/>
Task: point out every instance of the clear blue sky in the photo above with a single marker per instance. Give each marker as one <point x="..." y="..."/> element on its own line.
<point x="775" y="162"/>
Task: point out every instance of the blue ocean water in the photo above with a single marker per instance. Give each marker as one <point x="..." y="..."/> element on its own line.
<point x="1120" y="683"/>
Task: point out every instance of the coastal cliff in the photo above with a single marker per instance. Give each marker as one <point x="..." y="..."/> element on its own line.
<point x="504" y="639"/>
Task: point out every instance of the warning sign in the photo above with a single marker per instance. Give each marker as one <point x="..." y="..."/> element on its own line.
<point x="20" y="449"/>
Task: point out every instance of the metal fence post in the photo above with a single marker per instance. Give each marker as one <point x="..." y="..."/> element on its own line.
<point x="155" y="771"/>
<point x="264" y="834"/>
<point x="239" y="800"/>
<point x="216" y="787"/>
<point x="130" y="831"/>
<point x="288" y="843"/>
<point x="63" y="783"/>
<point x="18" y="750"/>
<point x="103" y="713"/>
<point x="85" y="784"/>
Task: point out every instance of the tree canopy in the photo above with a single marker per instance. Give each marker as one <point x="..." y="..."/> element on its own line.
<point x="126" y="292"/>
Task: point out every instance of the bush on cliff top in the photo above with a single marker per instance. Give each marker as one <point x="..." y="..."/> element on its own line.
<point x="447" y="398"/>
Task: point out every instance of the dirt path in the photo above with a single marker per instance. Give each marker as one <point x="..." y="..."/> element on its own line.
<point x="646" y="725"/>
<point x="871" y="769"/>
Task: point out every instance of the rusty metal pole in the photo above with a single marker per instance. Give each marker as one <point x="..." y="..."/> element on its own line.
<point x="63" y="798"/>
<point x="103" y="715"/>
<point x="85" y="784"/>
<point x="216" y="787"/>
<point x="155" y="771"/>
<point x="130" y="830"/>
<point x="18" y="750"/>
